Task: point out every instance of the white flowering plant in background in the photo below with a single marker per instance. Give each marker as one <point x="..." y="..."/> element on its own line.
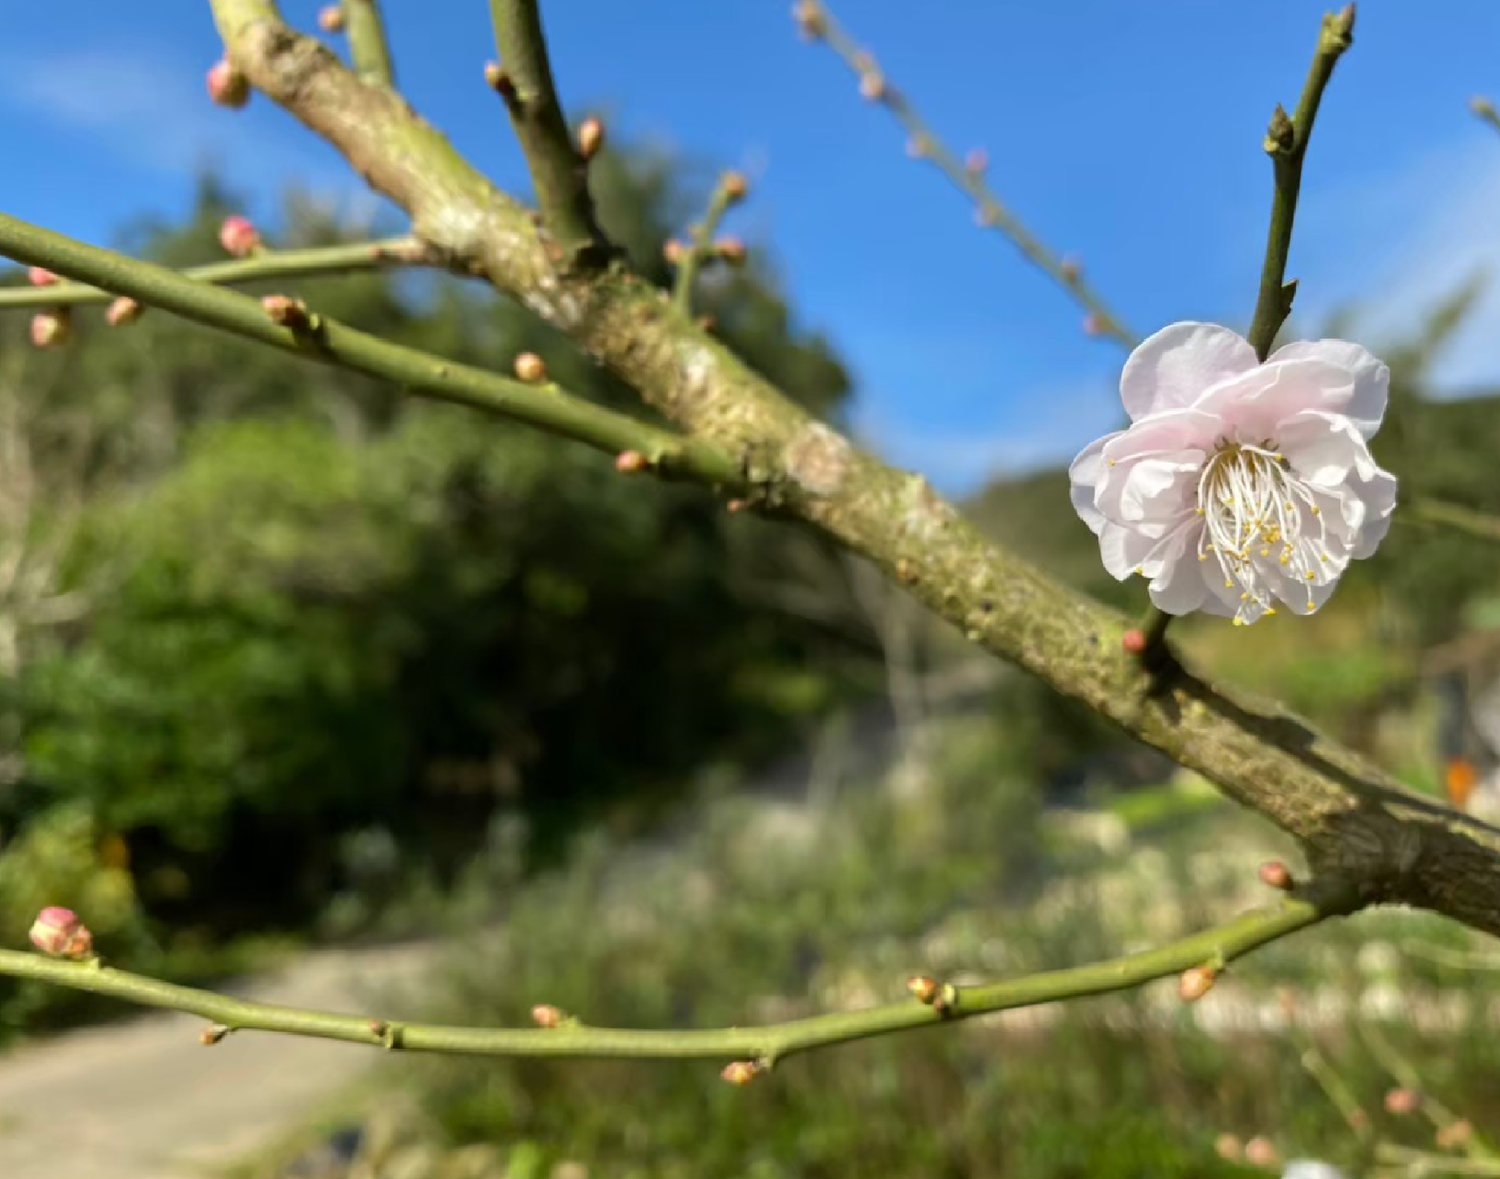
<point x="1238" y="483"/>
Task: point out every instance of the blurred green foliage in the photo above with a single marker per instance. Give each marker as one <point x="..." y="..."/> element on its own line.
<point x="762" y="912"/>
<point x="314" y="610"/>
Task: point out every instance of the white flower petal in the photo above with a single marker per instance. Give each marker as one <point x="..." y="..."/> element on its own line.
<point x="1083" y="475"/>
<point x="1123" y="550"/>
<point x="1371" y="378"/>
<point x="1178" y="587"/>
<point x="1325" y="449"/>
<point x="1257" y="404"/>
<point x="1172" y="369"/>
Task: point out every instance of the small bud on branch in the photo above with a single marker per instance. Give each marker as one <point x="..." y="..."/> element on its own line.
<point x="288" y="312"/>
<point x="1401" y="1102"/>
<point x="741" y="1072"/>
<point x="1275" y="874"/>
<point x="60" y="933"/>
<point x="239" y="237"/>
<point x="924" y="988"/>
<point x="227" y="86"/>
<point x="51" y="329"/>
<point x="40" y="276"/>
<point x="531" y="368"/>
<point x="1196" y="982"/>
<point x="809" y="17"/>
<point x="122" y="311"/>
<point x="590" y="137"/>
<point x="631" y="462"/>
<point x="544" y="1015"/>
<point x="331" y="18"/>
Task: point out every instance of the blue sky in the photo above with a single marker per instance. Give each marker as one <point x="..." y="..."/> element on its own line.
<point x="1126" y="133"/>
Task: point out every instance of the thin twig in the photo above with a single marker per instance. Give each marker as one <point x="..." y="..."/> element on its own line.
<point x="700" y="248"/>
<point x="1485" y="109"/>
<point x="320" y="260"/>
<point x="1286" y="143"/>
<point x="1447" y="515"/>
<point x="989" y="211"/>
<point x="367" y="41"/>
<point x="559" y="173"/>
<point x="762" y="1045"/>
<point x="1431" y="1164"/>
<point x="544" y="406"/>
<point x="1407" y="1076"/>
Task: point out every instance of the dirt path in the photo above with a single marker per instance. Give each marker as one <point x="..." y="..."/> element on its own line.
<point x="144" y="1100"/>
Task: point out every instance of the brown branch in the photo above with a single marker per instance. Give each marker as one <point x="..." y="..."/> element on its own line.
<point x="1354" y="819"/>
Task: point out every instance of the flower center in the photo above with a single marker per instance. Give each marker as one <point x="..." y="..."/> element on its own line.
<point x="1252" y="504"/>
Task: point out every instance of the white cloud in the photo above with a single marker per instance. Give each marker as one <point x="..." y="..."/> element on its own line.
<point x="1399" y="243"/>
<point x="148" y="110"/>
<point x="1050" y="426"/>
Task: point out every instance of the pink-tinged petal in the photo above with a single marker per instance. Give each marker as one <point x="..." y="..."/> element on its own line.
<point x="1325" y="449"/>
<point x="1177" y="429"/>
<point x="1256" y="405"/>
<point x="1174" y="367"/>
<point x="1378" y="495"/>
<point x="1179" y="587"/>
<point x="1371" y="378"/>
<point x="1083" y="475"/>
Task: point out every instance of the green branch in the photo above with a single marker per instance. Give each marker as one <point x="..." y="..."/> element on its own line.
<point x="1286" y="143"/>
<point x="731" y="188"/>
<point x="314" y="337"/>
<point x="762" y="1045"/>
<point x="287" y="264"/>
<point x="559" y="172"/>
<point x="1485" y="109"/>
<point x="1446" y="515"/>
<point x="989" y="210"/>
<point x="367" y="41"/>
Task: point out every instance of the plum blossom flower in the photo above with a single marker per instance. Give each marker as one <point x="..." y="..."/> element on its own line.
<point x="1239" y="483"/>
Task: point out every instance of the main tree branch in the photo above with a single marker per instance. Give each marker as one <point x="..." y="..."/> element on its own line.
<point x="758" y="1047"/>
<point x="1355" y="820"/>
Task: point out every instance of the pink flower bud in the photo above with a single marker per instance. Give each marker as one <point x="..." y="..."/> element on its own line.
<point x="732" y="250"/>
<point x="122" y="311"/>
<point x="590" y="137"/>
<point x="287" y="312"/>
<point x="740" y="1072"/>
<point x="1261" y="1152"/>
<point x="924" y="988"/>
<point x="630" y="462"/>
<point x="1196" y="982"/>
<point x="59" y="932"/>
<point x="51" y="329"/>
<point x="976" y="162"/>
<point x="531" y="368"/>
<point x="1454" y="1134"/>
<point x="1134" y="641"/>
<point x="40" y="276"/>
<point x="872" y="87"/>
<point x="1093" y="325"/>
<point x="544" y="1015"/>
<point x="735" y="186"/>
<point x="1275" y="874"/>
<point x="1402" y="1101"/>
<point x="239" y="236"/>
<point x="331" y="18"/>
<point x="227" y="86"/>
<point x="1229" y="1148"/>
<point x="810" y="19"/>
